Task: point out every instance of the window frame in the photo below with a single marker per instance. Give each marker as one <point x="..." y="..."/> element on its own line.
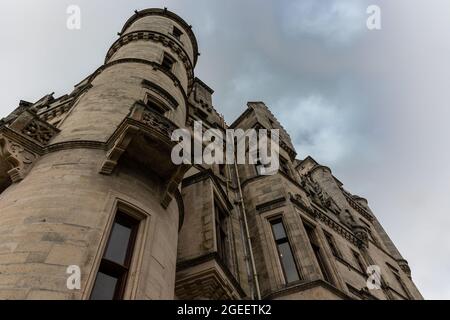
<point x="359" y="261"/>
<point x="317" y="249"/>
<point x="400" y="281"/>
<point x="177" y="33"/>
<point x="221" y="227"/>
<point x="275" y="220"/>
<point x="113" y="269"/>
<point x="172" y="61"/>
<point x="332" y="245"/>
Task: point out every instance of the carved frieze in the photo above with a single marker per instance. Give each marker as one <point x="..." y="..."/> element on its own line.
<point x="16" y="158"/>
<point x="29" y="125"/>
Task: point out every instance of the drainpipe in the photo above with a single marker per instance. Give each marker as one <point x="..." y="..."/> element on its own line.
<point x="247" y="234"/>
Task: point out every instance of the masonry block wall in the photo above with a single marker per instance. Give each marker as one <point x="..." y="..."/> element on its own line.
<point x="77" y="169"/>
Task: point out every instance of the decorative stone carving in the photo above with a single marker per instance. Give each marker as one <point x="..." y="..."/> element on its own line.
<point x="29" y="125"/>
<point x="362" y="234"/>
<point x="38" y="131"/>
<point x="337" y="227"/>
<point x="299" y="201"/>
<point x="314" y="190"/>
<point x="358" y="207"/>
<point x="403" y="264"/>
<point x="143" y="123"/>
<point x="17" y="158"/>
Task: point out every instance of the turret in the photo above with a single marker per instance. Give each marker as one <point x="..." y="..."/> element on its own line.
<point x="82" y="174"/>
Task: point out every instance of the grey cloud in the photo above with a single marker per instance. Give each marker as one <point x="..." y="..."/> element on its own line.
<point x="334" y="21"/>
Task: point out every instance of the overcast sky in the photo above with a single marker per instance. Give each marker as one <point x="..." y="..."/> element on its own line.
<point x="372" y="105"/>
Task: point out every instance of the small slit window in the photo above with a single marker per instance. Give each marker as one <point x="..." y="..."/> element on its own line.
<point x="114" y="268"/>
<point x="177" y="33"/>
<point x="167" y="62"/>
<point x="285" y="253"/>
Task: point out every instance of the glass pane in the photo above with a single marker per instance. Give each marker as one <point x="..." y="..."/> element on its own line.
<point x="278" y="230"/>
<point x="104" y="287"/>
<point x="287" y="260"/>
<point x="118" y="243"/>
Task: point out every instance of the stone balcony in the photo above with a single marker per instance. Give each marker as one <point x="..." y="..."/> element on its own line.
<point x="144" y="138"/>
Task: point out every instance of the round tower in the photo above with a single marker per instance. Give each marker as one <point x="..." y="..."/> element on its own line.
<point x="99" y="195"/>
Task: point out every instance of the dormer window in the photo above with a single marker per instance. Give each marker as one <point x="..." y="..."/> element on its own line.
<point x="177" y="33"/>
<point x="167" y="62"/>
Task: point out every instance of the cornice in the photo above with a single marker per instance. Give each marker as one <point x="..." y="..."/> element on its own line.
<point x="165" y="13"/>
<point x="156" y="37"/>
<point x="154" y="65"/>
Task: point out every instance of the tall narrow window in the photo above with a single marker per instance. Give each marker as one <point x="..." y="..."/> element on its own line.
<point x="167" y="62"/>
<point x="284" y="167"/>
<point x="332" y="244"/>
<point x="318" y="253"/>
<point x="359" y="261"/>
<point x="222" y="169"/>
<point x="287" y="260"/>
<point x="115" y="265"/>
<point x="176" y="33"/>
<point x="400" y="281"/>
<point x="221" y="233"/>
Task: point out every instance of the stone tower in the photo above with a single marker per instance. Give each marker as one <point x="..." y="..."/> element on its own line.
<point x="60" y="157"/>
<point x="88" y="189"/>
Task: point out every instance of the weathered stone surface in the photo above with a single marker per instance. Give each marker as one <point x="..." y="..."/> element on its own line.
<point x="68" y="164"/>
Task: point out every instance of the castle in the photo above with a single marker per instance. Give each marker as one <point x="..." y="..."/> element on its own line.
<point x="86" y="180"/>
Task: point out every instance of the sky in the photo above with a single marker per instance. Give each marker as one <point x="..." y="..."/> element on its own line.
<point x="371" y="104"/>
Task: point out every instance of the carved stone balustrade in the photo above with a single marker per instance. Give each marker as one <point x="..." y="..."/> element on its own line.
<point x="144" y="139"/>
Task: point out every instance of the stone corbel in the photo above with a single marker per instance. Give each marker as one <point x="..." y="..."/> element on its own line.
<point x="172" y="185"/>
<point x="16" y="157"/>
<point x="119" y="147"/>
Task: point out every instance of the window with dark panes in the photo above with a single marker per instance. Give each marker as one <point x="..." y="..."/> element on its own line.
<point x="318" y="253"/>
<point x="176" y="33"/>
<point x="332" y="244"/>
<point x="285" y="254"/>
<point x="155" y="107"/>
<point x="222" y="169"/>
<point x="221" y="233"/>
<point x="284" y="167"/>
<point x="167" y="62"/>
<point x="115" y="265"/>
<point x="400" y="281"/>
<point x="359" y="261"/>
